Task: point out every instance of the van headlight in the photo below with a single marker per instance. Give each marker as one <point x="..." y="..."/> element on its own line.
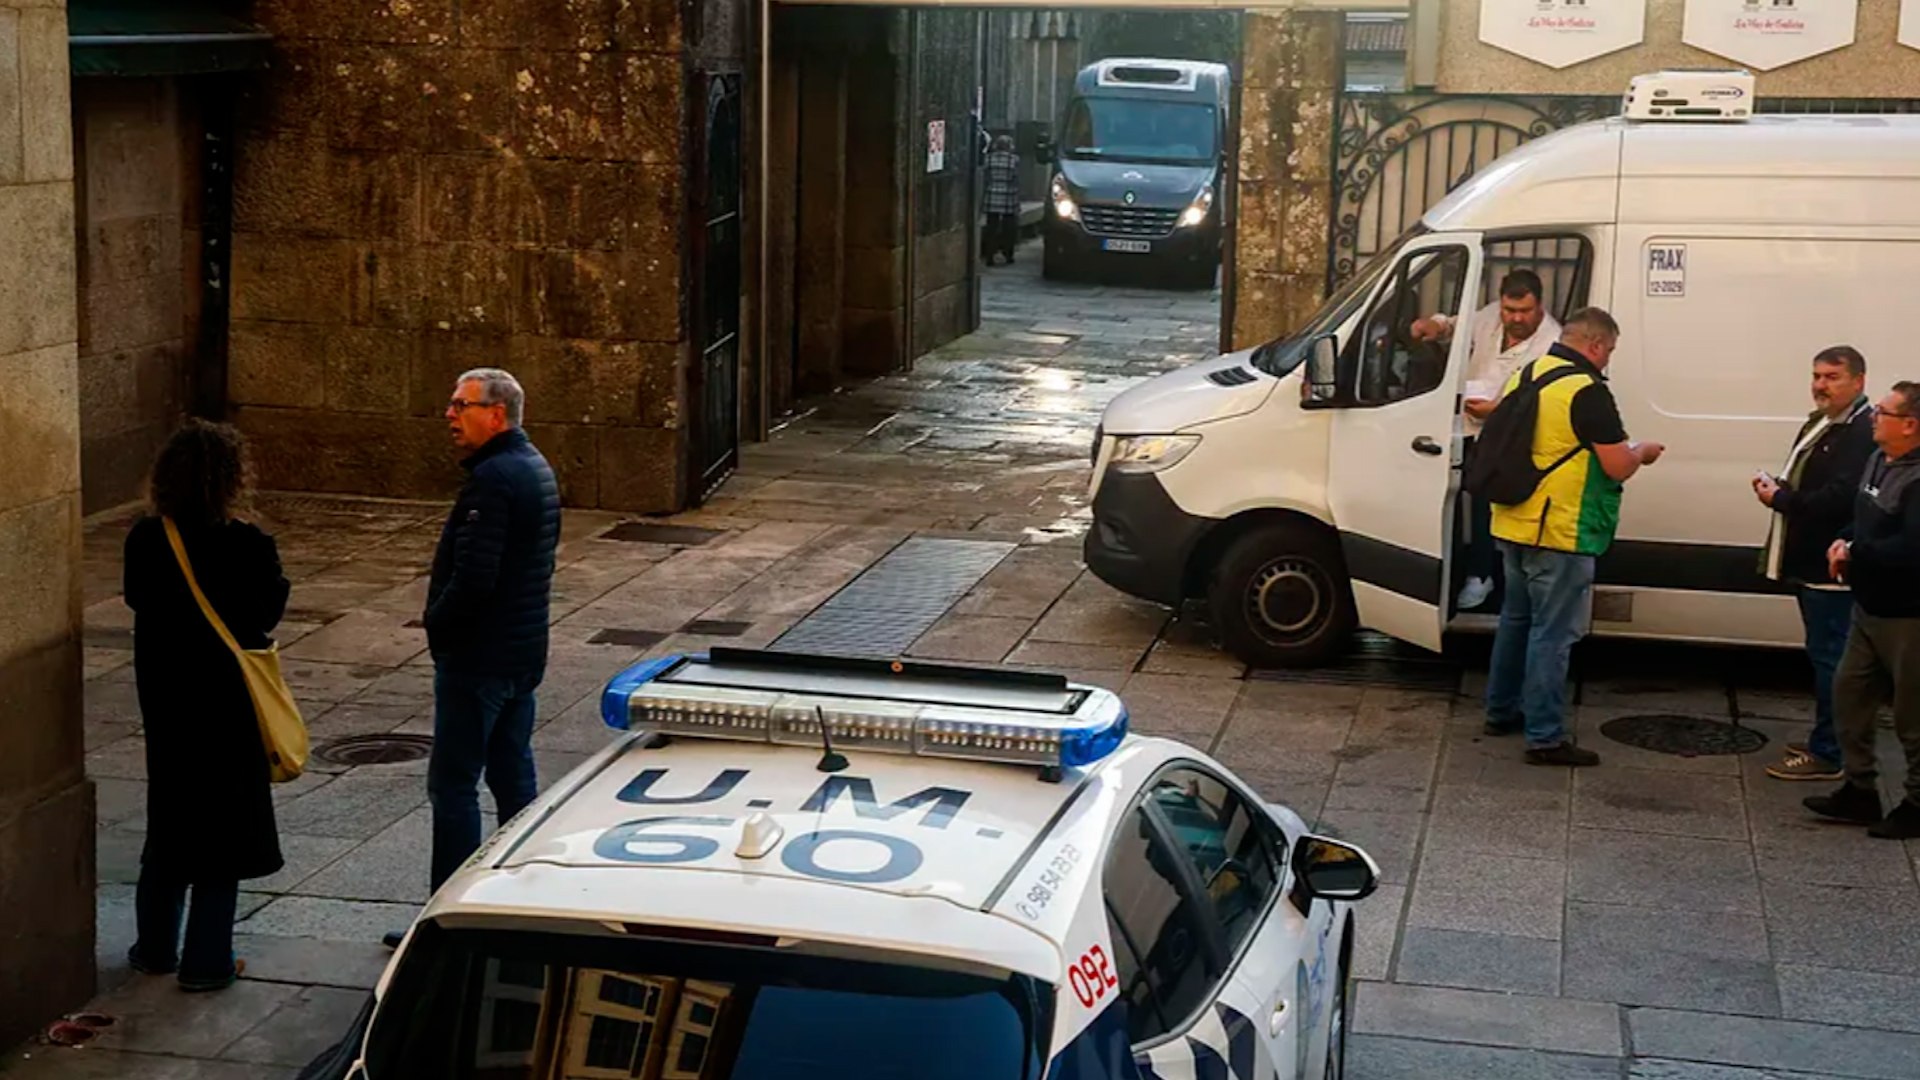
<point x="1150" y="453"/>
<point x="1197" y="213"/>
<point x="1062" y="197"/>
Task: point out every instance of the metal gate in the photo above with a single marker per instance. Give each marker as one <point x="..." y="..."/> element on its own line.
<point x="716" y="267"/>
<point x="1396" y="155"/>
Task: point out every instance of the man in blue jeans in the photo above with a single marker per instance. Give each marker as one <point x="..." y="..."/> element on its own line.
<point x="1549" y="541"/>
<point x="486" y="617"/>
<point x="1812" y="501"/>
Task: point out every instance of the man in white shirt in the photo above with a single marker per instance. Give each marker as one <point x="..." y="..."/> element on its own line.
<point x="1508" y="334"/>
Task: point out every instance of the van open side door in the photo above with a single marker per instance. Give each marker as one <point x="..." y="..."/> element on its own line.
<point x="1394" y="459"/>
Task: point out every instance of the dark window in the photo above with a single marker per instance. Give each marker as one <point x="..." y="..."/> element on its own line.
<point x="1133" y="129"/>
<point x="1226" y="843"/>
<point x="1168" y="964"/>
<point x="1393" y="366"/>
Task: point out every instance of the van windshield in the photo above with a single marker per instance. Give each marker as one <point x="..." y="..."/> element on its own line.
<point x="512" y="1005"/>
<point x="1131" y="129"/>
<point x="1280" y="356"/>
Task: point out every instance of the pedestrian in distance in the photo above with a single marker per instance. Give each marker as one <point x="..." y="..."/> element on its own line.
<point x="1002" y="201"/>
<point x="486" y="617"/>
<point x="210" y="822"/>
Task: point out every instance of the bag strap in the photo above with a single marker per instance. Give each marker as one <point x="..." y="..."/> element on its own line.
<point x="186" y="567"/>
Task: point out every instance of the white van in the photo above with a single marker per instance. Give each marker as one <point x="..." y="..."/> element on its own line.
<point x="1312" y="484"/>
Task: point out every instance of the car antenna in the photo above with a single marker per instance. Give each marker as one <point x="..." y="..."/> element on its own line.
<point x="830" y="761"/>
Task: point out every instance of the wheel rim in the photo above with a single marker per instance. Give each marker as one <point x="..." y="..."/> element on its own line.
<point x="1289" y="599"/>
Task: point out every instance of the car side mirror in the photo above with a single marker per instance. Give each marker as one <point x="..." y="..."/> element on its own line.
<point x="1320" y="384"/>
<point x="1333" y="870"/>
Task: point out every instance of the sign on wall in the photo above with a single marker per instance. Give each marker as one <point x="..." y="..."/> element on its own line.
<point x="936" y="145"/>
<point x="1561" y="33"/>
<point x="1766" y="34"/>
<point x="1910" y="23"/>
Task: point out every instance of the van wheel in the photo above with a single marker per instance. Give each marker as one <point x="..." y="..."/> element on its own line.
<point x="1280" y="598"/>
<point x="1053" y="267"/>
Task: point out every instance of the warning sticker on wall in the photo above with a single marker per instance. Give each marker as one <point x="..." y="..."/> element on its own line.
<point x="1666" y="270"/>
<point x="936" y="145"/>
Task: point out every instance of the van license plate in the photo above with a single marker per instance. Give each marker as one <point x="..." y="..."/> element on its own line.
<point x="1136" y="247"/>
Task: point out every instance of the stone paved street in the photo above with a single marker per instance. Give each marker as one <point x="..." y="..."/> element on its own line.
<point x="1657" y="917"/>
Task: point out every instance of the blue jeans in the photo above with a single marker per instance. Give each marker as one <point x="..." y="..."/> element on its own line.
<point x="1544" y="613"/>
<point x="159" y="901"/>
<point x="1828" y="616"/>
<point x="481" y="723"/>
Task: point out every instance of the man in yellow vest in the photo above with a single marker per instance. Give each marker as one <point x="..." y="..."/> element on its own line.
<point x="1549" y="542"/>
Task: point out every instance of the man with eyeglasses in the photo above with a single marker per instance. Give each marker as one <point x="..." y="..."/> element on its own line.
<point x="486" y="617"/>
<point x="1879" y="556"/>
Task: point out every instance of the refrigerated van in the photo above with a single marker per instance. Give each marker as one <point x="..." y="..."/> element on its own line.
<point x="1312" y="484"/>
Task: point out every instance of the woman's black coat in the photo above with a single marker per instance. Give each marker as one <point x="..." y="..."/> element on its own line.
<point x="209" y="798"/>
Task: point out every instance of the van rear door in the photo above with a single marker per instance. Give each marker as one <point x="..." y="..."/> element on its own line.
<point x="1394" y="459"/>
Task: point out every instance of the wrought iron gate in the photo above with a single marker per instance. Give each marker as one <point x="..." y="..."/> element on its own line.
<point x="716" y="271"/>
<point x="1396" y="155"/>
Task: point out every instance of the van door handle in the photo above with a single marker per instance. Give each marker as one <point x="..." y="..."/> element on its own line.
<point x="1425" y="445"/>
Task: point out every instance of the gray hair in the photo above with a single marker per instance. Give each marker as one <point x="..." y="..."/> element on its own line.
<point x="498" y="387"/>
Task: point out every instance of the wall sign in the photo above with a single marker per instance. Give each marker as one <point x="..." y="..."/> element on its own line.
<point x="1561" y="33"/>
<point x="1766" y="34"/>
<point x="1910" y="23"/>
<point x="936" y="145"/>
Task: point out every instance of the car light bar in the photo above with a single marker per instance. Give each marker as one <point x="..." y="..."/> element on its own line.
<point x="977" y="714"/>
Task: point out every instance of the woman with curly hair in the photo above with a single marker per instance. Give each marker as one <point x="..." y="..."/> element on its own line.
<point x="209" y="804"/>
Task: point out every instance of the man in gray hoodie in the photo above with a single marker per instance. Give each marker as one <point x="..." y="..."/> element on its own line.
<point x="1879" y="556"/>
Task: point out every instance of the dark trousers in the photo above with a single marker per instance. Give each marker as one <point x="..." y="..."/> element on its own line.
<point x="159" y="901"/>
<point x="1881" y="665"/>
<point x="1001" y="236"/>
<point x="1827" y="615"/>
<point x="482" y="724"/>
<point x="1483" y="559"/>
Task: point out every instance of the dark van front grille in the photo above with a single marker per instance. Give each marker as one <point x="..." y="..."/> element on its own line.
<point x="1128" y="220"/>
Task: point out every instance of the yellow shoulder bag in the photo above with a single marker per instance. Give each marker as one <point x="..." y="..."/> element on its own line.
<point x="282" y="732"/>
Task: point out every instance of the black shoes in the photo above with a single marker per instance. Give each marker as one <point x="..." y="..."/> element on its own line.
<point x="1565" y="754"/>
<point x="393" y="938"/>
<point x="1857" y="805"/>
<point x="1497" y="730"/>
<point x="1902" y="824"/>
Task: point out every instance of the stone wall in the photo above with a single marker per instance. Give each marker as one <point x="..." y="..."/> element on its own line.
<point x="1287" y="100"/>
<point x="946" y="55"/>
<point x="46" y="801"/>
<point x="429" y="186"/>
<point x="136" y="183"/>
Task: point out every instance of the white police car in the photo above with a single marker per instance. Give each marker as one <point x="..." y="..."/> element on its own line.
<point x="984" y="877"/>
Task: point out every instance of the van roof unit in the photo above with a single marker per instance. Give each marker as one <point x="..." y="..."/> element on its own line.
<point x="1689" y="95"/>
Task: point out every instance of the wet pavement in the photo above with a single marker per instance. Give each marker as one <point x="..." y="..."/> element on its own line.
<point x="1660" y="916"/>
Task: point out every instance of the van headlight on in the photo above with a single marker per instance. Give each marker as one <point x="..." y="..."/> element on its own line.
<point x="1062" y="197"/>
<point x="1150" y="453"/>
<point x="1197" y="213"/>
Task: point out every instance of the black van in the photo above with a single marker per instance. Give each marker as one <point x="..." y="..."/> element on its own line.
<point x="1137" y="169"/>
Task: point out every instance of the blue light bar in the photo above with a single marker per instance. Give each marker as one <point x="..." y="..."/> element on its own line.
<point x="975" y="714"/>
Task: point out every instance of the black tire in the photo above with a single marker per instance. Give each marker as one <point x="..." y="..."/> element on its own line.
<point x="1053" y="267"/>
<point x="1336" y="1067"/>
<point x="1279" y="596"/>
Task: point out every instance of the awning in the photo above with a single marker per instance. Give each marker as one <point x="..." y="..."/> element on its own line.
<point x="141" y="37"/>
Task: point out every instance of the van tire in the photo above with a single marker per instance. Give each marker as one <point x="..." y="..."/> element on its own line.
<point x="1053" y="267"/>
<point x="1279" y="597"/>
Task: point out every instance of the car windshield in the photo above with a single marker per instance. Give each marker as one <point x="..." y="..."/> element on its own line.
<point x="493" y="1005"/>
<point x="1282" y="355"/>
<point x="1131" y="129"/>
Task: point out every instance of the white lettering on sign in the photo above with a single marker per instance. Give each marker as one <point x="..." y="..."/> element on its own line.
<point x="1666" y="270"/>
<point x="936" y="145"/>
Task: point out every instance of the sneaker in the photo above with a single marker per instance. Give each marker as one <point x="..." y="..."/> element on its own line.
<point x="1565" y="754"/>
<point x="145" y="967"/>
<point x="1475" y="592"/>
<point x="1800" y="765"/>
<point x="1497" y="730"/>
<point x="202" y="986"/>
<point x="1902" y="824"/>
<point x="1858" y="805"/>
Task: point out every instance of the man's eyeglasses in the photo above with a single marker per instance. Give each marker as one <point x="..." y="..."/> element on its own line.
<point x="462" y="404"/>
<point x="1879" y="412"/>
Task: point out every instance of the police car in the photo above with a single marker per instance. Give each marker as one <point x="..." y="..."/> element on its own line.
<point x="801" y="867"/>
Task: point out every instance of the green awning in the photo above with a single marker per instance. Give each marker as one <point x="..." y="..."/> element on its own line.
<point x="156" y="37"/>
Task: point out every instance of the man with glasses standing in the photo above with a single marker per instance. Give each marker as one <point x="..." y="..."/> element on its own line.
<point x="486" y="617"/>
<point x="1879" y="556"/>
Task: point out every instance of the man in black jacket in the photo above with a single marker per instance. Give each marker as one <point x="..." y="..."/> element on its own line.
<point x="486" y="616"/>
<point x="1880" y="558"/>
<point x="1812" y="499"/>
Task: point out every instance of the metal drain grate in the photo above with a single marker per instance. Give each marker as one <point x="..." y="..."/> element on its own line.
<point x="887" y="608"/>
<point x="642" y="532"/>
<point x="382" y="749"/>
<point x="1375" y="660"/>
<point x="1686" y="736"/>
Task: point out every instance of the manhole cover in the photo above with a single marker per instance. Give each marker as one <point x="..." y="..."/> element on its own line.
<point x="386" y="749"/>
<point x="1687" y="736"/>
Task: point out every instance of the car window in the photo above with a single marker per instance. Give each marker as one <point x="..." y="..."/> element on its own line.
<point x="1394" y="365"/>
<point x="1166" y="963"/>
<point x="1222" y="837"/>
